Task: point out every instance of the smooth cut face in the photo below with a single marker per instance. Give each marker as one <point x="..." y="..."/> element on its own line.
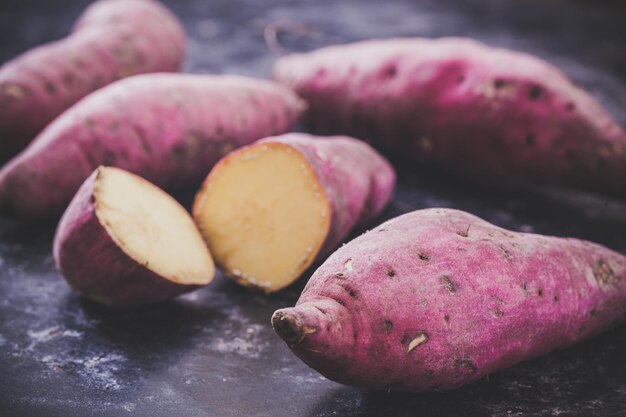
<point x="264" y="215"/>
<point x="152" y="228"/>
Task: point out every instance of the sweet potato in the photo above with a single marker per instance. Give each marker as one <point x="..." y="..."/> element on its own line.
<point x="112" y="39"/>
<point x="125" y="242"/>
<point x="269" y="209"/>
<point x="490" y="114"/>
<point x="167" y="128"/>
<point x="437" y="298"/>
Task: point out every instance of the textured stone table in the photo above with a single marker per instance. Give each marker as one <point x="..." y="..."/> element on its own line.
<point x="213" y="353"/>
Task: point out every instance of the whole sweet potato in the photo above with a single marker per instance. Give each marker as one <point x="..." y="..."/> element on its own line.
<point x="270" y="209"/>
<point x="487" y="113"/>
<point x="167" y="128"/>
<point x="112" y="39"/>
<point x="437" y="298"/>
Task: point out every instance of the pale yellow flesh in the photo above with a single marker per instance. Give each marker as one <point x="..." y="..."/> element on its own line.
<point x="151" y="227"/>
<point x="264" y="215"/>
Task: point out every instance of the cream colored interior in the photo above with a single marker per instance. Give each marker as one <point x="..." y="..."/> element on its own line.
<point x="264" y="215"/>
<point x="151" y="227"/>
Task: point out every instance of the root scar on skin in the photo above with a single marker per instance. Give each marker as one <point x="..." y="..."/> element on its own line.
<point x="348" y="265"/>
<point x="419" y="340"/>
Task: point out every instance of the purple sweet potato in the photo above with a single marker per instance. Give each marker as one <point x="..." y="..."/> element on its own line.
<point x="487" y="113"/>
<point x="167" y="128"/>
<point x="438" y="298"/>
<point x="124" y="242"/>
<point x="270" y="209"/>
<point x="112" y="39"/>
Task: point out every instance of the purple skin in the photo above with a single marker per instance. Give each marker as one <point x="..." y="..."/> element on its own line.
<point x="487" y="113"/>
<point x="439" y="298"/>
<point x="168" y="128"/>
<point x="111" y="40"/>
<point x="94" y="265"/>
<point x="357" y="180"/>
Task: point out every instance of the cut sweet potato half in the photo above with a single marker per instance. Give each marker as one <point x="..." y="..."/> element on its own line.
<point x="123" y="241"/>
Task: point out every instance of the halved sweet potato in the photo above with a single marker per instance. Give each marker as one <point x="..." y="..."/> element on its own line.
<point x="123" y="241"/>
<point x="268" y="210"/>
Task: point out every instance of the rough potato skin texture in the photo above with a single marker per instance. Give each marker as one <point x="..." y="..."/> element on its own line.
<point x="112" y="39"/>
<point x="438" y="298"/>
<point x="357" y="180"/>
<point x="93" y="264"/>
<point x="167" y="128"/>
<point x="491" y="114"/>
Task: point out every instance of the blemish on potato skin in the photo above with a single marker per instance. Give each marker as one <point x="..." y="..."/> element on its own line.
<point x="464" y="233"/>
<point x="347" y="265"/>
<point x="423" y="256"/>
<point x="89" y="123"/>
<point x="498" y="313"/>
<point x="109" y="158"/>
<point x="391" y="273"/>
<point x="465" y="366"/>
<point x="540" y="292"/>
<point x="50" y="88"/>
<point x="534" y="92"/>
<point x="448" y="284"/>
<point x="68" y="80"/>
<point x="388" y="325"/>
<point x="351" y="292"/>
<point x="499" y="83"/>
<point x="390" y="71"/>
<point x="446" y="318"/>
<point x="505" y="252"/>
<point x="13" y="90"/>
<point x="320" y="309"/>
<point x="604" y="274"/>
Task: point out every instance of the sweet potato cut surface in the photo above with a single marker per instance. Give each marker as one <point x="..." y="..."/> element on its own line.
<point x="265" y="215"/>
<point x="151" y="227"/>
<point x="123" y="241"/>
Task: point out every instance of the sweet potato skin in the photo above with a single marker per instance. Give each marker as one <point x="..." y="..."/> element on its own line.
<point x="167" y="128"/>
<point x="112" y="39"/>
<point x="438" y="298"/>
<point x="491" y="114"/>
<point x="94" y="265"/>
<point x="357" y="180"/>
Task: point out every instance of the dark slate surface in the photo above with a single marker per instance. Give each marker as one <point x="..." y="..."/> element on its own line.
<point x="213" y="353"/>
